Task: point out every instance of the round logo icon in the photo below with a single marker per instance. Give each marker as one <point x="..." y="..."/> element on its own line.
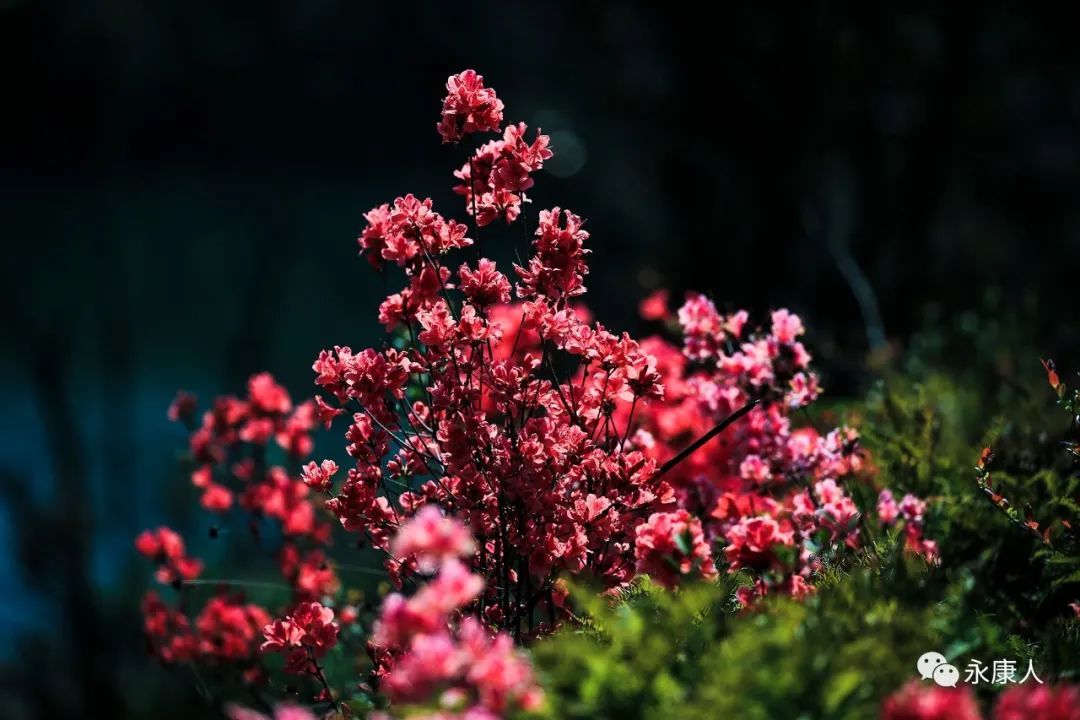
<point x="929" y="662"/>
<point x="946" y="675"/>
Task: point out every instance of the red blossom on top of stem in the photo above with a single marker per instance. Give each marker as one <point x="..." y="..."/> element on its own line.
<point x="468" y="107"/>
<point x="303" y="636"/>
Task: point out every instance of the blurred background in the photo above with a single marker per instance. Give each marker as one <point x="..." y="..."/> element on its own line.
<point x="183" y="182"/>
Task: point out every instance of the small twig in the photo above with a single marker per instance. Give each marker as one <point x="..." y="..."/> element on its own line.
<point x="720" y="427"/>
<point x="321" y="677"/>
<point x="237" y="583"/>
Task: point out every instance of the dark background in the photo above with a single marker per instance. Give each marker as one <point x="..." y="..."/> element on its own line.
<point x="182" y="184"/>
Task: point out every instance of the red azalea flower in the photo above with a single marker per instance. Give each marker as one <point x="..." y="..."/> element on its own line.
<point x="920" y="702"/>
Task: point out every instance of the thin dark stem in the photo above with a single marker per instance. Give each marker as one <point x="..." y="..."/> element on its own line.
<point x="472" y="196"/>
<point x="629" y="420"/>
<point x="318" y="673"/>
<point x="559" y="390"/>
<point x="438" y="275"/>
<point x="719" y="428"/>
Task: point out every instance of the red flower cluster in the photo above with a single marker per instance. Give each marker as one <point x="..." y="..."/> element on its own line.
<point x="423" y="654"/>
<point x="916" y="701"/>
<point x="166" y="548"/>
<point x="303" y="637"/>
<point x="557" y="271"/>
<point x="227" y="628"/>
<point x="281" y="712"/>
<point x="318" y="476"/>
<point x="432" y="539"/>
<point x="771" y="493"/>
<point x="495" y="178"/>
<point x="229" y="452"/>
<point x="225" y="631"/>
<point x="671" y="546"/>
<point x="513" y="415"/>
<point x="1039" y="702"/>
<point x="168" y="631"/>
<point x="406" y="233"/>
<point x="233" y="451"/>
<point x="468" y="107"/>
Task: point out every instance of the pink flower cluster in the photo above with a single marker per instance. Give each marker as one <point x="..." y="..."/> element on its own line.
<point x="671" y="546"/>
<point x="494" y="180"/>
<point x="772" y="494"/>
<point x="432" y="539"/>
<point x="910" y="509"/>
<point x="468" y="107"/>
<point x="916" y="701"/>
<point x="303" y="636"/>
<point x="1039" y="702"/>
<point x="427" y="653"/>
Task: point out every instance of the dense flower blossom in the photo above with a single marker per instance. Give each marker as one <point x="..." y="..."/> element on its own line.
<point x="1039" y="702"/>
<point x="431" y="539"/>
<point x="407" y="233"/>
<point x="911" y="511"/>
<point x="512" y="413"/>
<point x="228" y="629"/>
<point x="558" y="268"/>
<point x="423" y="652"/>
<point x="916" y="701"/>
<point x="468" y="107"/>
<point x="310" y="574"/>
<point x="319" y="476"/>
<point x="231" y="450"/>
<point x="229" y="429"/>
<point x="750" y="542"/>
<point x="225" y="628"/>
<point x="484" y="286"/>
<point x="671" y="545"/>
<point x="773" y="494"/>
<point x="494" y="180"/>
<point x="303" y="636"/>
